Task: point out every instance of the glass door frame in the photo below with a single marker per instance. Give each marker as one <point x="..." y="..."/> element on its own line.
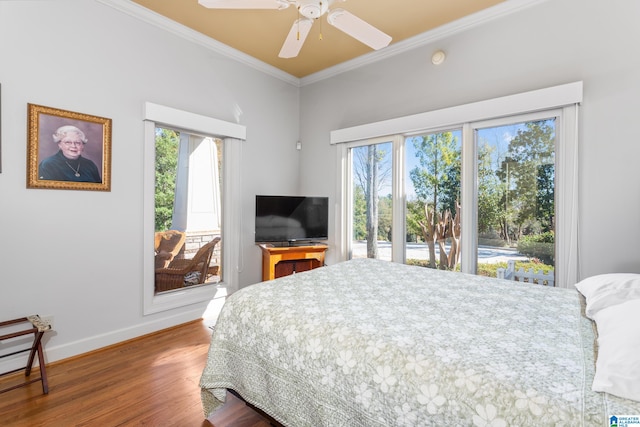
<point x="469" y="178"/>
<point x="566" y="189"/>
<point x="344" y="222"/>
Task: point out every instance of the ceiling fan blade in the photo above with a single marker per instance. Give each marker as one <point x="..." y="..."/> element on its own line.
<point x="358" y="29"/>
<point x="296" y="37"/>
<point x="245" y="4"/>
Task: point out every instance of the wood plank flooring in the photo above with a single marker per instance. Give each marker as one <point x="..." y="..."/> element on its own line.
<point x="150" y="381"/>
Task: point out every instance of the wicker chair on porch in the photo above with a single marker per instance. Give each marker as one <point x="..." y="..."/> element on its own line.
<point x="186" y="272"/>
<point x="167" y="246"/>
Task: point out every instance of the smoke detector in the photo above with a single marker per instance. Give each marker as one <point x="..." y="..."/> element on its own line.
<point x="438" y="57"/>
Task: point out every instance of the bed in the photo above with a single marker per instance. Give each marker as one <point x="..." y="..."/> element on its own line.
<point x="373" y="343"/>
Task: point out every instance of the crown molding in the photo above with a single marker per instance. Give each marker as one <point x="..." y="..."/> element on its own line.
<point x="153" y="18"/>
<point x="498" y="11"/>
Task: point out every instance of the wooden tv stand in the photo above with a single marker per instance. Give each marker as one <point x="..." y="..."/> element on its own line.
<point x="279" y="261"/>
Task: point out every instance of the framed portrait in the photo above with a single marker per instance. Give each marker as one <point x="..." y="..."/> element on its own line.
<point x="68" y="150"/>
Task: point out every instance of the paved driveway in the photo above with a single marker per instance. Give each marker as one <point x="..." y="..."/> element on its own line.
<point x="486" y="254"/>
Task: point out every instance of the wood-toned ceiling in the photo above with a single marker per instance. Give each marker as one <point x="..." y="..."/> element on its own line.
<point x="260" y="33"/>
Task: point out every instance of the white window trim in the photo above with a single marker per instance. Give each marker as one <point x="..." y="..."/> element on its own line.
<point x="470" y="181"/>
<point x="527" y="102"/>
<point x="565" y="98"/>
<point x="231" y="133"/>
<point x="344" y="227"/>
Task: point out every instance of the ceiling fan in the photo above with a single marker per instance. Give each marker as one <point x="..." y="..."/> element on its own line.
<point x="310" y="10"/>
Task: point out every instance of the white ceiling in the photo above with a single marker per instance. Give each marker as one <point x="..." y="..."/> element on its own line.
<point x="260" y="33"/>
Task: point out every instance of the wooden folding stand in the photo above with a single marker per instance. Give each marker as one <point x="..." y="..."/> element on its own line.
<point x="36" y="326"/>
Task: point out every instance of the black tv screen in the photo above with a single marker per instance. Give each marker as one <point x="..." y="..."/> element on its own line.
<point x="291" y="218"/>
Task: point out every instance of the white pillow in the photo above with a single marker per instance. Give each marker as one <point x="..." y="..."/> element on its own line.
<point x="618" y="363"/>
<point x="606" y="290"/>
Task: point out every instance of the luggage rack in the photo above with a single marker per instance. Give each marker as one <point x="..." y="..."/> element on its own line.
<point x="33" y="325"/>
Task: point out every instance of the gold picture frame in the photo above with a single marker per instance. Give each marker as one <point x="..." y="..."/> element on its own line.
<point x="67" y="150"/>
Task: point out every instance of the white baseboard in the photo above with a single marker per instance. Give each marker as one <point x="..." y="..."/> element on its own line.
<point x="75" y="348"/>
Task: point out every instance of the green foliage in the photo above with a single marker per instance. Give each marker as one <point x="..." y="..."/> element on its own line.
<point x="515" y="193"/>
<point x="545" y="206"/>
<point x="426" y="263"/>
<point x="540" y="246"/>
<point x="359" y="214"/>
<point x="491" y="269"/>
<point x="450" y="187"/>
<point x="437" y="178"/>
<point x="489" y="192"/>
<point x="415" y="213"/>
<point x="529" y="173"/>
<point x="384" y="218"/>
<point x="167" y="142"/>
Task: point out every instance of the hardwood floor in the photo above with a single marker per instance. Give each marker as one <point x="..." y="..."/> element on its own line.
<point x="151" y="381"/>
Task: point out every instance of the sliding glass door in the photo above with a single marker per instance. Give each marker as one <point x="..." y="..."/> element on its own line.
<point x="406" y="199"/>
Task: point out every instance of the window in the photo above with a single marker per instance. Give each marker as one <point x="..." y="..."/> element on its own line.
<point x="371" y="204"/>
<point x="463" y="194"/>
<point x="188" y="203"/>
<point x="432" y="188"/>
<point x="207" y="144"/>
<point x="516" y="211"/>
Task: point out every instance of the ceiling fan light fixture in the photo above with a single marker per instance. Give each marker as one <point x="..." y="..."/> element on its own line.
<point x="312" y="9"/>
<point x="309" y="11"/>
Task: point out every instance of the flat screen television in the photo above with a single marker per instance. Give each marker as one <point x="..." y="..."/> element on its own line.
<point x="290" y="219"/>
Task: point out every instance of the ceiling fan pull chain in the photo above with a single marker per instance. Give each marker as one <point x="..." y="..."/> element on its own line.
<point x="298" y="25"/>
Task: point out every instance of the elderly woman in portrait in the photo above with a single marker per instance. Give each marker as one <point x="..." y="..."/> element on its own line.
<point x="68" y="164"/>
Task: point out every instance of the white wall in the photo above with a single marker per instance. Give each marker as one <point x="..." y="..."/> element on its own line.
<point x="77" y="255"/>
<point x="551" y="43"/>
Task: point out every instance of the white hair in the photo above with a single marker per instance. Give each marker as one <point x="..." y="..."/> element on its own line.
<point x="62" y="131"/>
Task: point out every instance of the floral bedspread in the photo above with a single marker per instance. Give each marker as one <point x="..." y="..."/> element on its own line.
<point x="374" y="343"/>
